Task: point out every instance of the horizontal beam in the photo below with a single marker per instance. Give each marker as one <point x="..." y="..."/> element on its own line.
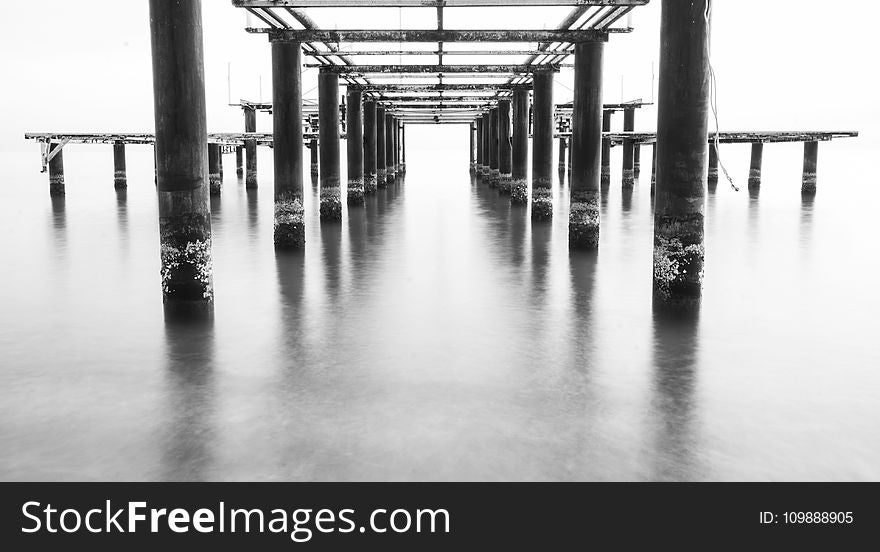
<point x="487" y="88"/>
<point x="434" y="98"/>
<point x="434" y="35"/>
<point x="445" y="53"/>
<point x="425" y="3"/>
<point x="398" y="68"/>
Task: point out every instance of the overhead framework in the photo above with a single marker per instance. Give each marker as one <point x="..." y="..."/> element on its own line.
<point x="350" y="52"/>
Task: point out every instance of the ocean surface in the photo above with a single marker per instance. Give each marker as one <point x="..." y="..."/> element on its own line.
<point x="438" y="334"/>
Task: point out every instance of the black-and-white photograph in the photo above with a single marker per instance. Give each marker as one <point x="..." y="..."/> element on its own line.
<point x="439" y="241"/>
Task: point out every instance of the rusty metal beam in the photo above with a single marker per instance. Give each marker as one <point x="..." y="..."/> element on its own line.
<point x="435" y="35"/>
<point x="438" y="53"/>
<point x="398" y="69"/>
<point x="477" y="87"/>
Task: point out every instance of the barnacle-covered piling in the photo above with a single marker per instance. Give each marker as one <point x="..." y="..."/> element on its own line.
<point x="586" y="147"/>
<point x="682" y="127"/>
<point x="289" y="227"/>
<point x="542" y="146"/>
<point x="181" y="158"/>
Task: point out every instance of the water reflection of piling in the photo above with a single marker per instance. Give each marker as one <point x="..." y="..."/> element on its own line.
<point x="676" y="351"/>
<point x="189" y="432"/>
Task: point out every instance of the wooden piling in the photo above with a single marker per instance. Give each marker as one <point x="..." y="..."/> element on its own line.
<point x="606" y="148"/>
<point x="628" y="175"/>
<point x="403" y="147"/>
<point x="653" y="169"/>
<point x="239" y="161"/>
<point x="390" y="169"/>
<point x="519" y="185"/>
<point x="214" y="179"/>
<point x="494" y="171"/>
<point x="289" y="214"/>
<point x="586" y="147"/>
<point x="314" y="165"/>
<point x="250" y="147"/>
<point x="542" y="146"/>
<point x="487" y="149"/>
<point x="354" y="145"/>
<point x="755" y="166"/>
<point x="369" y="117"/>
<point x="328" y="136"/>
<point x="478" y="139"/>
<point x="56" y="170"/>
<point x="682" y="128"/>
<point x="637" y="160"/>
<point x="504" y="149"/>
<point x="471" y="153"/>
<point x="182" y="158"/>
<point x="713" y="168"/>
<point x="562" y="165"/>
<point x="120" y="176"/>
<point x="381" y="175"/>
<point x="811" y="156"/>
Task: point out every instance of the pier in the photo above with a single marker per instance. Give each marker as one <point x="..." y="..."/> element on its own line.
<point x="501" y="105"/>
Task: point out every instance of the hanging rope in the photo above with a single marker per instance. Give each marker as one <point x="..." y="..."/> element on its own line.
<point x="713" y="94"/>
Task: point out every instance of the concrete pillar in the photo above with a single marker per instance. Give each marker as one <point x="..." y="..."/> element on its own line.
<point x="214" y="179"/>
<point x="682" y="128"/>
<point x="628" y="176"/>
<point x="120" y="177"/>
<point x="182" y="158"/>
<point x="390" y="172"/>
<point x="519" y="184"/>
<point x="713" y="167"/>
<point x="505" y="153"/>
<point x="328" y="137"/>
<point x="494" y="170"/>
<point x="354" y="146"/>
<point x="487" y="149"/>
<point x="542" y="146"/>
<point x="239" y="161"/>
<point x="287" y="117"/>
<point x="56" y="171"/>
<point x="586" y="147"/>
<point x="381" y="171"/>
<point x="369" y="117"/>
<point x="811" y="156"/>
<point x="250" y="146"/>
<point x="563" y="164"/>
<point x="755" y="166"/>
<point x="606" y="148"/>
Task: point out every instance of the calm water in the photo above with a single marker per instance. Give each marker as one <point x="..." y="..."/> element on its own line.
<point x="438" y="334"/>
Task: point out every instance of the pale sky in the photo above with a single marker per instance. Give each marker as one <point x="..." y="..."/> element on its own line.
<point x="781" y="64"/>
